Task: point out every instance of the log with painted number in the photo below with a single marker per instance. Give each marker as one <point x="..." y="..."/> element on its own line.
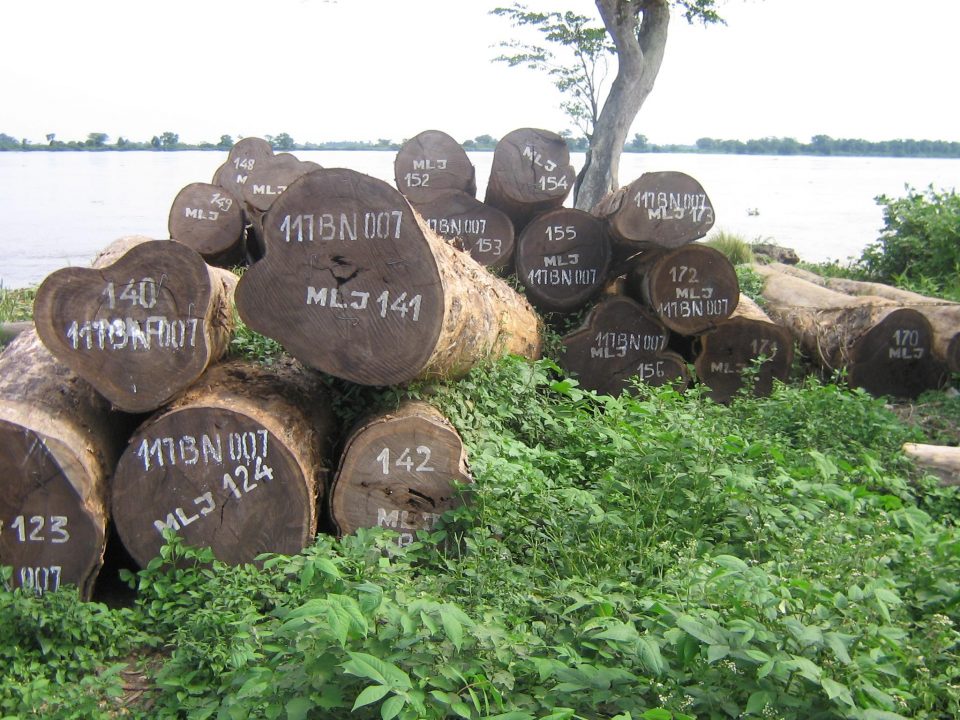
<point x="620" y="340"/>
<point x="433" y="162"/>
<point x="59" y="443"/>
<point x="691" y="289"/>
<point x="562" y="259"/>
<point x="209" y="219"/>
<point x="882" y="347"/>
<point x="246" y="156"/>
<point x="530" y="174"/>
<point x="399" y="470"/>
<point x="140" y="325"/>
<point x="355" y="284"/>
<point x="747" y="339"/>
<point x="237" y="463"/>
<point x="483" y="231"/>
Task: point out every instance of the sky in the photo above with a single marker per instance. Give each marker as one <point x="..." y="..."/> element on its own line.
<point x="323" y="70"/>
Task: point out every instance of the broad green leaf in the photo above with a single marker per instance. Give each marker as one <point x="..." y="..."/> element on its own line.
<point x="298" y="708"/>
<point x="730" y="562"/>
<point x="452" y="627"/>
<point x="391" y="707"/>
<point x="512" y="715"/>
<point x="838" y="643"/>
<point x="837" y="691"/>
<point x="373" y="668"/>
<point x="873" y="714"/>
<point x="758" y="701"/>
<point x="650" y="655"/>
<point x="461" y="709"/>
<point x="370" y="694"/>
<point x="717" y="652"/>
<point x="694" y="627"/>
<point x="657" y="714"/>
<point x="619" y="632"/>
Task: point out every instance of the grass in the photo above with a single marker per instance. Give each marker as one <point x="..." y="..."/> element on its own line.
<point x="732" y="246"/>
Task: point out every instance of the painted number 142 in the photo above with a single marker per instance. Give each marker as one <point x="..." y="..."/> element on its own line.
<point x="405" y="460"/>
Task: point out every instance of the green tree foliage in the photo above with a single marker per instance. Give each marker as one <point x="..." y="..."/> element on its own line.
<point x="225" y="143"/>
<point x="7" y="142"/>
<point x="169" y="140"/>
<point x="283" y="141"/>
<point x="96" y="139"/>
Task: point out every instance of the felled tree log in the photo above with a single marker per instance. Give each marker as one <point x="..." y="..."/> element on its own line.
<point x="530" y="174"/>
<point x="210" y="220"/>
<point x="140" y="325"/>
<point x="657" y="210"/>
<point x="691" y="288"/>
<point x="940" y="460"/>
<point x="399" y="470"/>
<point x="562" y="259"/>
<point x="237" y="463"/>
<point x="433" y="162"/>
<point x="736" y="344"/>
<point x="59" y="443"/>
<point x="483" y="231"/>
<point x="270" y="177"/>
<point x="353" y="283"/>
<point x="244" y="157"/>
<point x="884" y="348"/>
<point x="619" y="340"/>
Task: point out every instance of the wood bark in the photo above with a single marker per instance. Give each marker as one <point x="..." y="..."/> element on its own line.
<point x="432" y="162"/>
<point x="140" y="325"/>
<point x="620" y="340"/>
<point x="209" y="219"/>
<point x="657" y="210"/>
<point x="237" y="463"/>
<point x="399" y="470"/>
<point x="483" y="231"/>
<point x="639" y="32"/>
<point x="736" y="344"/>
<point x="355" y="284"/>
<point x="530" y="174"/>
<point x="59" y="443"/>
<point x="940" y="460"/>
<point x="691" y="289"/>
<point x="883" y="348"/>
<point x="562" y="259"/>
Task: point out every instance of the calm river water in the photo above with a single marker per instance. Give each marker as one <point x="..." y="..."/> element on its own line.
<point x="60" y="209"/>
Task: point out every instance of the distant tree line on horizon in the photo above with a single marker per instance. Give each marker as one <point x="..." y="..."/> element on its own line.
<point x="818" y="145"/>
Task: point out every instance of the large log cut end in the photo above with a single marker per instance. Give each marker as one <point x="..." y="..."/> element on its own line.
<point x="433" y="162"/>
<point x="142" y="324"/>
<point x="238" y="463"/>
<point x="58" y="445"/>
<point x="658" y="209"/>
<point x="620" y="340"/>
<point x="530" y="174"/>
<point x="354" y="284"/>
<point x="483" y="231"/>
<point x="209" y="219"/>
<point x="399" y="470"/>
<point x="748" y="339"/>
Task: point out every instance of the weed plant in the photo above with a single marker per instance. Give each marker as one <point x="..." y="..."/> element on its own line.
<point x="732" y="246"/>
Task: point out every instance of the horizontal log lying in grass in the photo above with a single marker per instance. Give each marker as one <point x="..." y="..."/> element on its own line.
<point x="940" y="460"/>
<point x="432" y="162"/>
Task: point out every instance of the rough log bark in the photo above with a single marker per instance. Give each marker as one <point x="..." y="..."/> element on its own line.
<point x="736" y="344"/>
<point x="563" y="257"/>
<point x="530" y="174"/>
<point x="485" y="232"/>
<point x="355" y="284"/>
<point x="657" y="210"/>
<point x="691" y="289"/>
<point x="140" y="325"/>
<point x="237" y="463"/>
<point x="432" y="162"/>
<point x="940" y="460"/>
<point x="399" y="470"/>
<point x="619" y="340"/>
<point x="884" y="348"/>
<point x="59" y="443"/>
<point x="209" y="219"/>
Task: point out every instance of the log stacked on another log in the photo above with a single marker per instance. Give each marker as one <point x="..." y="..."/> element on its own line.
<point x="399" y="470"/>
<point x="209" y="219"/>
<point x="736" y="344"/>
<point x="355" y="284"/>
<point x="237" y="463"/>
<point x="432" y="162"/>
<point x="483" y="231"/>
<point x="883" y="347"/>
<point x="530" y="174"/>
<point x="59" y="443"/>
<point x="140" y="325"/>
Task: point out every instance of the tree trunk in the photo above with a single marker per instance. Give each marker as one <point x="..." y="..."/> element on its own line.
<point x="940" y="460"/>
<point x="530" y="174"/>
<point x="209" y="219"/>
<point x="640" y="44"/>
<point x="562" y="259"/>
<point x="237" y="463"/>
<point x="468" y="224"/>
<point x="691" y="289"/>
<point x="736" y="344"/>
<point x="140" y="325"/>
<point x="432" y="162"/>
<point x="244" y="157"/>
<point x="353" y="283"/>
<point x="884" y="349"/>
<point x="399" y="470"/>
<point x="59" y="443"/>
<point x="619" y="340"/>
